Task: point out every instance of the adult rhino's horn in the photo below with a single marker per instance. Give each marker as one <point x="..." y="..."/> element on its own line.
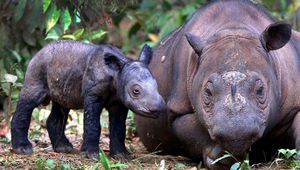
<point x="276" y="35"/>
<point x="196" y="42"/>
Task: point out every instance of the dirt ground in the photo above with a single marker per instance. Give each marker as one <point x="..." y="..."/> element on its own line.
<point x="44" y="157"/>
<point x="43" y="152"/>
<point x="142" y="160"/>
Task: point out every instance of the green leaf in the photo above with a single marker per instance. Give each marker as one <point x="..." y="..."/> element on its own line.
<point x="134" y="29"/>
<point x="65" y="19"/>
<point x="245" y="165"/>
<point x="66" y="166"/>
<point x="50" y="163"/>
<point x="221" y="158"/>
<point x="104" y="160"/>
<point x="9" y="78"/>
<point x="77" y="17"/>
<point x="19" y="11"/>
<point x="46" y="4"/>
<point x="96" y="166"/>
<point x="78" y="33"/>
<point x="98" y="34"/>
<point x="69" y="36"/>
<point x="235" y="166"/>
<point x="35" y="18"/>
<point x="53" y="17"/>
<point x="118" y="165"/>
<point x="16" y="55"/>
<point x="52" y="35"/>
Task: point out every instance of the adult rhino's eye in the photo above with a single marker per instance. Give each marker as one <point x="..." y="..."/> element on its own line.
<point x="260" y="93"/>
<point x="207" y="94"/>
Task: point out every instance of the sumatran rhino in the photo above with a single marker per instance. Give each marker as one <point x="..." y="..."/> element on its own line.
<point x="76" y="75"/>
<point x="231" y="79"/>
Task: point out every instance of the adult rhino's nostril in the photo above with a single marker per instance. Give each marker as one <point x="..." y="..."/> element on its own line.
<point x="223" y="134"/>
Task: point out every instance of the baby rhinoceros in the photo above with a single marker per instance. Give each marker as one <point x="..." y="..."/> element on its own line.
<point x="76" y="75"/>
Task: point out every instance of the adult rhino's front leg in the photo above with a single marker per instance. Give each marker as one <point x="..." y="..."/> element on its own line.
<point x="296" y="132"/>
<point x="197" y="143"/>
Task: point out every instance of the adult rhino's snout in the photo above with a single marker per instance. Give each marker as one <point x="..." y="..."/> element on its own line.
<point x="237" y="135"/>
<point x="238" y="141"/>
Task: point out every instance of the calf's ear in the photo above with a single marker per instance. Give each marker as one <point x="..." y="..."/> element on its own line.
<point x="276" y="35"/>
<point x="146" y="55"/>
<point x="115" y="61"/>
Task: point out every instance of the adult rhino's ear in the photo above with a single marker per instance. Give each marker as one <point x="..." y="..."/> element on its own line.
<point x="196" y="43"/>
<point x="276" y="35"/>
<point x="115" y="61"/>
<point x="146" y="55"/>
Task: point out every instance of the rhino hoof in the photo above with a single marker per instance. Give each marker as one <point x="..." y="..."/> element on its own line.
<point x="66" y="149"/>
<point x="27" y="150"/>
<point x="92" y="155"/>
<point x="123" y="156"/>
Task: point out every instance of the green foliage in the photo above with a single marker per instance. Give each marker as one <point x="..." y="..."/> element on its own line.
<point x="46" y="4"/>
<point x="66" y="20"/>
<point x="106" y="164"/>
<point x="53" y="17"/>
<point x="150" y="21"/>
<point x="288" y="157"/>
<point x="287" y="153"/>
<point x="20" y="10"/>
<point x="49" y="164"/>
<point x="10" y="162"/>
<point x="237" y="165"/>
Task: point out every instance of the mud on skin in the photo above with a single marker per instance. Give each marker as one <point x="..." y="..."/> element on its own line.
<point x="230" y="77"/>
<point x="76" y="75"/>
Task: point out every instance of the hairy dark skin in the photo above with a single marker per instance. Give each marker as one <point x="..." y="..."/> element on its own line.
<point x="75" y="75"/>
<point x="230" y="78"/>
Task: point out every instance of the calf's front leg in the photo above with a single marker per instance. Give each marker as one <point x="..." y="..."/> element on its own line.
<point x="117" y="130"/>
<point x="92" y="129"/>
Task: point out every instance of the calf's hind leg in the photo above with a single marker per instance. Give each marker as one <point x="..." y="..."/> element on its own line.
<point x="56" y="124"/>
<point x="30" y="97"/>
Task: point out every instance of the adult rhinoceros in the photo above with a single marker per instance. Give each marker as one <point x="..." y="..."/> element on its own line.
<point x="231" y="79"/>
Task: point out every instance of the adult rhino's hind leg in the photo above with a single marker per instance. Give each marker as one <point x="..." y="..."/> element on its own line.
<point x="30" y="97"/>
<point x="56" y="124"/>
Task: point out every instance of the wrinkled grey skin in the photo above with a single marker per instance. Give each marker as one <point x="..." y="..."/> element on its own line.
<point x="230" y="77"/>
<point x="76" y="75"/>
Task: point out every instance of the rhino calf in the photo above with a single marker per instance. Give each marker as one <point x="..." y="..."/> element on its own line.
<point x="76" y="75"/>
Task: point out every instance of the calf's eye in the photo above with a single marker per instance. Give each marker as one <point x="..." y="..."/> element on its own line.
<point x="135" y="91"/>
